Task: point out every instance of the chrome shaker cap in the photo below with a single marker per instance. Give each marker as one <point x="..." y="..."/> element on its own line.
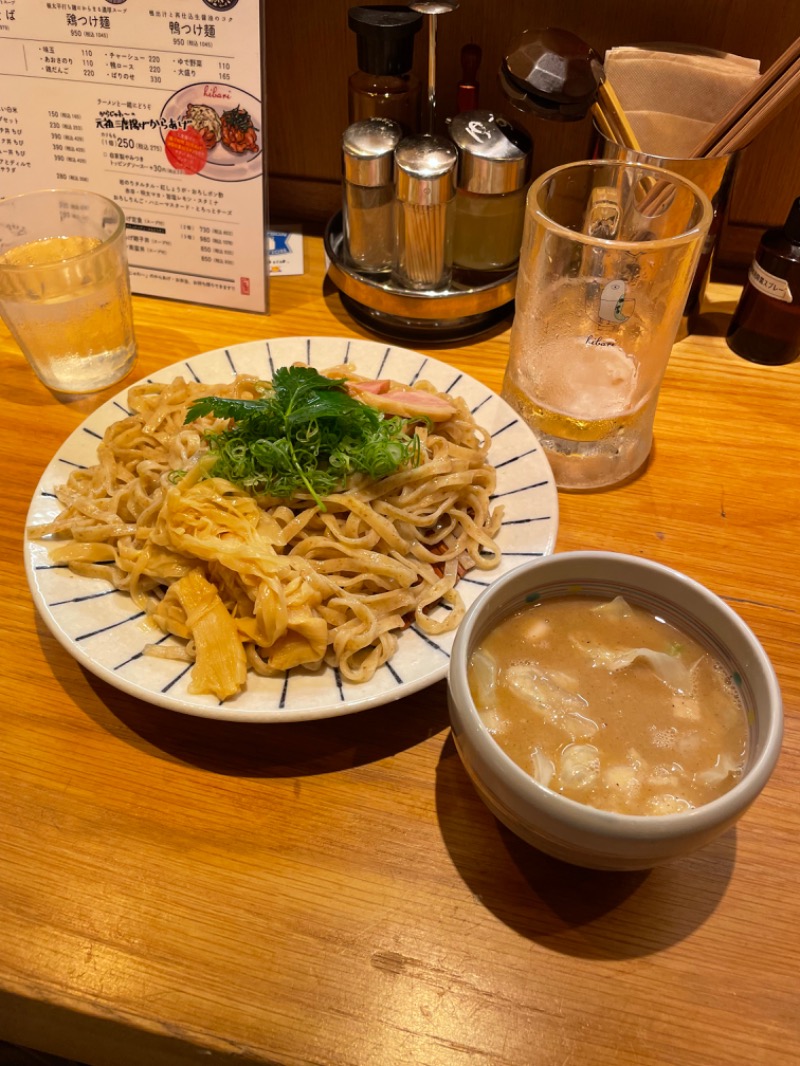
<point x="425" y="169"/>
<point x="494" y="156"/>
<point x="368" y="148"/>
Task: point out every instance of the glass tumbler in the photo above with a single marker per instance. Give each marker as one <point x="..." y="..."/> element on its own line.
<point x="609" y="250"/>
<point x="64" y="287"/>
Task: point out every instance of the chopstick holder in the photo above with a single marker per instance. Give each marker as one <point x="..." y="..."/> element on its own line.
<point x="674" y="96"/>
<point x="700" y="85"/>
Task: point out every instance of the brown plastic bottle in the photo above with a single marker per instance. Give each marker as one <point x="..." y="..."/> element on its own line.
<point x="383" y="86"/>
<point x="765" y="327"/>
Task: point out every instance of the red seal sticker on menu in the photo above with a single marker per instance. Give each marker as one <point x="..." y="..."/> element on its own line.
<point x="186" y="150"/>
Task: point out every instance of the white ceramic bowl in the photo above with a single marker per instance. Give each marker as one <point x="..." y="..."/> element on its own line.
<point x="563" y="827"/>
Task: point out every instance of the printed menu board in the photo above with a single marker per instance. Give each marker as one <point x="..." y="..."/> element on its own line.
<point x="159" y="105"/>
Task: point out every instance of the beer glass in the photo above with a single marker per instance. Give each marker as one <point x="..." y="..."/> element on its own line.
<point x="609" y="251"/>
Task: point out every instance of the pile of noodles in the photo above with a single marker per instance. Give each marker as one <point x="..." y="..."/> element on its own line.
<point x="270" y="584"/>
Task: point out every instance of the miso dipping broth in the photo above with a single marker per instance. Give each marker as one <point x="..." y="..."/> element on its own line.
<point x="610" y="705"/>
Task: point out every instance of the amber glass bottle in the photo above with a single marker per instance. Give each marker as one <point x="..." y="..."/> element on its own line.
<point x="765" y="327"/>
<point x="384" y="86"/>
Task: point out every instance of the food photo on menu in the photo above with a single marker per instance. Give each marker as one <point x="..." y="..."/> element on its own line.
<point x="210" y="129"/>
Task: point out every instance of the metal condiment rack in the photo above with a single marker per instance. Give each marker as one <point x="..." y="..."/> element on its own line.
<point x="470" y="305"/>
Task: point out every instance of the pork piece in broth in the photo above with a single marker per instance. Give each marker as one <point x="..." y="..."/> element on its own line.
<point x="610" y="705"/>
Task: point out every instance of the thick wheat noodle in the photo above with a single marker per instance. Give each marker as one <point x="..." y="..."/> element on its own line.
<point x="304" y="586"/>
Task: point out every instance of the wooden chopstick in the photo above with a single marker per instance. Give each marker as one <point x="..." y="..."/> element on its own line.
<point x="762" y="112"/>
<point x="603" y="124"/>
<point x="738" y="112"/>
<point x="608" y="106"/>
<point x="611" y="120"/>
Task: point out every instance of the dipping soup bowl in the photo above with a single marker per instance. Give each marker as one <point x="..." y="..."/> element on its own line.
<point x="576" y="832"/>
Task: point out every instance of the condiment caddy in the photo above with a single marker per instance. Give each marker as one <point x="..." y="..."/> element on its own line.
<point x="427" y="242"/>
<point x="428" y="239"/>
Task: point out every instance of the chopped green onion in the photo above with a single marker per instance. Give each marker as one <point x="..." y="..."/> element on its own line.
<point x="305" y="433"/>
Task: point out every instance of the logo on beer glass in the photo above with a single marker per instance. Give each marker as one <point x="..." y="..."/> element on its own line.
<point x="615" y="304"/>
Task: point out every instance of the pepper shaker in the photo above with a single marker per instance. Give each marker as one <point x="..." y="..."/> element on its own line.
<point x="368" y="193"/>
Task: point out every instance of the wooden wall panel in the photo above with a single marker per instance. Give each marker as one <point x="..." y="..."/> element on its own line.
<point x="311" y="52"/>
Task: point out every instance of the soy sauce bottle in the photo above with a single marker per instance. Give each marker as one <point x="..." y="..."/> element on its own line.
<point x="765" y="327"/>
<point x="384" y="85"/>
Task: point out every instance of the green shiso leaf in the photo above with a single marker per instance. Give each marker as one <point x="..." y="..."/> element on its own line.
<point x="306" y="433"/>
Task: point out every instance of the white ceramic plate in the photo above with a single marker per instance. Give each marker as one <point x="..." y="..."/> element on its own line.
<point x="102" y="629"/>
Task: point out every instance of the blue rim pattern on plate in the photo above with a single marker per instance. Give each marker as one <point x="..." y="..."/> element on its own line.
<point x="103" y="630"/>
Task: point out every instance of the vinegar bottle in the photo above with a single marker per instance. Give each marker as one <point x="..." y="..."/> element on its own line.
<point x="765" y="327"/>
<point x="493" y="170"/>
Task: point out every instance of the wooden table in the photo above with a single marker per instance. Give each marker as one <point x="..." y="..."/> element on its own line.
<point x="176" y="890"/>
